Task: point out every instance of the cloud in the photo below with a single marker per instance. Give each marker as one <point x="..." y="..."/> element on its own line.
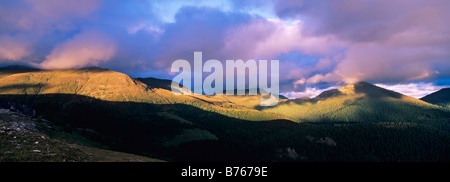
<point x="59" y="9"/>
<point x="309" y="92"/>
<point x="196" y="29"/>
<point x="416" y="90"/>
<point x="288" y="8"/>
<point x="13" y="48"/>
<point x="235" y="35"/>
<point x="317" y="42"/>
<point x="269" y="38"/>
<point x="41" y="16"/>
<point x="379" y="43"/>
<point x="87" y="48"/>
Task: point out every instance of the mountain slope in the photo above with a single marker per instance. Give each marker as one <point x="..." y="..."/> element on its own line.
<point x="441" y="97"/>
<point x="126" y="114"/>
<point x="158" y="124"/>
<point x="114" y="86"/>
<point x="247" y="100"/>
<point x="362" y="101"/>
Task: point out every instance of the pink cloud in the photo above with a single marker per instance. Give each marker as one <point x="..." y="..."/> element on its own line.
<point x="87" y="48"/>
<point x="42" y="16"/>
<point x="13" y="48"/>
<point x="382" y="43"/>
<point x="59" y="9"/>
<point x="268" y="38"/>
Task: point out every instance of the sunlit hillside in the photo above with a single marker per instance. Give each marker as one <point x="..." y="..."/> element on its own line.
<point x="361" y="102"/>
<point x="114" y="86"/>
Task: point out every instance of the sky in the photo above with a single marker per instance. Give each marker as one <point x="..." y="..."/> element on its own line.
<point x="401" y="45"/>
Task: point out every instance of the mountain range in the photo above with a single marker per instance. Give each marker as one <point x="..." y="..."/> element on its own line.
<point x="141" y="116"/>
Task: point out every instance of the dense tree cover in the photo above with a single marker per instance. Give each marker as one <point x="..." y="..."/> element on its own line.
<point x="146" y="129"/>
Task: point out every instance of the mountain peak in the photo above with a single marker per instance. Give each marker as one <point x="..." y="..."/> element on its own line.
<point x="363" y="83"/>
<point x="361" y="87"/>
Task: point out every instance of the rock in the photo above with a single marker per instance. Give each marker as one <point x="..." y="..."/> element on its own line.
<point x="327" y="140"/>
<point x="290" y="153"/>
<point x="19" y="108"/>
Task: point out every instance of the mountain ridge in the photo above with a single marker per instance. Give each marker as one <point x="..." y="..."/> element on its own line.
<point x="344" y="103"/>
<point x="363" y="87"/>
<point x="440" y="97"/>
<point x="359" y="102"/>
<point x="115" y="86"/>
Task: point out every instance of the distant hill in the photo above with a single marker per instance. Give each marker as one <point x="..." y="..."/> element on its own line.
<point x="156" y="83"/>
<point x="441" y="97"/>
<point x="361" y="102"/>
<point x="249" y="101"/>
<point x="18" y="68"/>
<point x="8" y="70"/>
<point x="247" y="92"/>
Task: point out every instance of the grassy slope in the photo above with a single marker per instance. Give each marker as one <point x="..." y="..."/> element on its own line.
<point x="113" y="86"/>
<point x="362" y="102"/>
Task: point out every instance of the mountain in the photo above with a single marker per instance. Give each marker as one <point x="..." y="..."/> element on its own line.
<point x="126" y="114"/>
<point x="109" y="85"/>
<point x="361" y="102"/>
<point x="441" y="97"/>
<point x="98" y="109"/>
<point x="365" y="88"/>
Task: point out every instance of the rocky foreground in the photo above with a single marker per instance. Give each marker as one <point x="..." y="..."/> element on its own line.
<point x="27" y="138"/>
